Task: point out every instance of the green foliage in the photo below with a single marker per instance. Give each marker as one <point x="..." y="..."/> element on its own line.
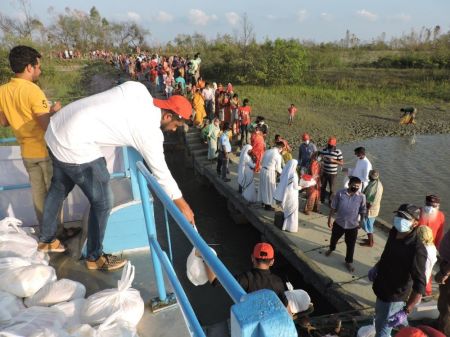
<point x="273" y="62"/>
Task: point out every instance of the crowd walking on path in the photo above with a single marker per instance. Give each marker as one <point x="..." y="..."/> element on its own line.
<point x="60" y="147"/>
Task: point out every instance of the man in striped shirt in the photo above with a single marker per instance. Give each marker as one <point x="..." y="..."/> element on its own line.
<point x="331" y="159"/>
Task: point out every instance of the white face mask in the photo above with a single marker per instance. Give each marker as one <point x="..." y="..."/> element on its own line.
<point x="429" y="209"/>
<point x="307" y="141"/>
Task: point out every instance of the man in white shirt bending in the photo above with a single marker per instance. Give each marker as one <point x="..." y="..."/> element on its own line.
<point x="270" y="166"/>
<point x="125" y="115"/>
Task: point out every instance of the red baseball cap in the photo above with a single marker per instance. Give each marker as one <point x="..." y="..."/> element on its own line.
<point x="177" y="104"/>
<point x="263" y="251"/>
<point x="332" y="141"/>
<point x="410" y="332"/>
<point x="305" y="136"/>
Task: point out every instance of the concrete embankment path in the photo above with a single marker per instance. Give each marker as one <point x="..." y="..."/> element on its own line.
<point x="304" y="250"/>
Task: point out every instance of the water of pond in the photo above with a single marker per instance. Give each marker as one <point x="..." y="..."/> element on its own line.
<point x="410" y="168"/>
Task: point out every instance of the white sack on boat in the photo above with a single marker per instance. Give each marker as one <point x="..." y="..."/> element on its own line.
<point x="55" y="292"/>
<point x="123" y="299"/>
<point x="72" y="311"/>
<point x="26" y="281"/>
<point x="34" y="321"/>
<point x="10" y="305"/>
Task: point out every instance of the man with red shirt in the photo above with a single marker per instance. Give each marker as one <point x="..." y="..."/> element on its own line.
<point x="244" y="120"/>
<point x="431" y="216"/>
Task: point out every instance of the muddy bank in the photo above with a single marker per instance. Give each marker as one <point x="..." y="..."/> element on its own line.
<point x="353" y="124"/>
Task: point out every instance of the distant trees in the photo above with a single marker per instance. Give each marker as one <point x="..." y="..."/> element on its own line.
<point x="71" y="29"/>
<point x="236" y="57"/>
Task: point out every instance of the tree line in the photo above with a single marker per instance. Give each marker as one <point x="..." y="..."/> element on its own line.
<point x="236" y="58"/>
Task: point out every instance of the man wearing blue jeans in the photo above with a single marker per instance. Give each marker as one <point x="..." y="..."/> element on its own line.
<point x="126" y="115"/>
<point x="399" y="277"/>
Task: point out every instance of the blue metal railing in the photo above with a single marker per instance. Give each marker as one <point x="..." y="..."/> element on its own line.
<point x="145" y="180"/>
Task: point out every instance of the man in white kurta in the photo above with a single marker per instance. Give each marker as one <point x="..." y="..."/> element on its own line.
<point x="270" y="166"/>
<point x="287" y="194"/>
<point x="362" y="167"/>
<point x="126" y="115"/>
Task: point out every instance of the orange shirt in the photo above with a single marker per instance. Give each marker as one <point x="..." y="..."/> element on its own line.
<point x="436" y="224"/>
<point x="21" y="101"/>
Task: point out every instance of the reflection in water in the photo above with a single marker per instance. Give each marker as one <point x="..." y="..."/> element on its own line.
<point x="410" y="168"/>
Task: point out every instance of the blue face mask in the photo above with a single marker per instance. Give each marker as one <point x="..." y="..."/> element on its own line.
<point x="402" y="225"/>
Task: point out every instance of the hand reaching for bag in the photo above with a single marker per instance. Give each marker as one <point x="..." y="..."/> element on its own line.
<point x="399" y="318"/>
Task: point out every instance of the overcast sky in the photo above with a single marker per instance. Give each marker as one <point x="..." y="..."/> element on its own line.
<point x="318" y="20"/>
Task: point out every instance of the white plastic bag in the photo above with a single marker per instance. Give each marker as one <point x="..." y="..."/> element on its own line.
<point x="124" y="299"/>
<point x="55" y="292"/>
<point x="19" y="237"/>
<point x="110" y="328"/>
<point x="10" y="306"/>
<point x="115" y="327"/>
<point x="16" y="262"/>
<point x="13" y="262"/>
<point x="10" y="225"/>
<point x="303" y="183"/>
<point x="298" y="300"/>
<point x="26" y="281"/>
<point x="195" y="268"/>
<point x="17" y="248"/>
<point x="46" y="332"/>
<point x="367" y="331"/>
<point x="72" y="311"/>
<point x="32" y="321"/>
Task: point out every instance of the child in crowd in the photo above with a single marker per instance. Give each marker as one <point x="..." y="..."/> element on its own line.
<point x="292" y="111"/>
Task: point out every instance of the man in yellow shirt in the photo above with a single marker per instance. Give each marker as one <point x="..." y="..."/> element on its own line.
<point x="24" y="107"/>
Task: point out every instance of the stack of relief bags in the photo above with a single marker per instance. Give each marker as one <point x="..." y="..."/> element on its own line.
<point x="34" y="303"/>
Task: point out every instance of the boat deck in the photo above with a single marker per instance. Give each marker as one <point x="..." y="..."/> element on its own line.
<point x="166" y="323"/>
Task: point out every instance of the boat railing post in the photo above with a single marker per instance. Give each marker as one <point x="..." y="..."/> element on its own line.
<point x="133" y="157"/>
<point x="169" y="241"/>
<point x="147" y="206"/>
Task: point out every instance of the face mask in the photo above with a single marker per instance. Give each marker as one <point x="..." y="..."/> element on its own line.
<point x="307" y="142"/>
<point x="353" y="189"/>
<point x="402" y="225"/>
<point x="429" y="209"/>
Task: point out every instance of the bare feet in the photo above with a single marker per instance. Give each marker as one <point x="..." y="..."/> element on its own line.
<point x="349" y="267"/>
<point x="328" y="252"/>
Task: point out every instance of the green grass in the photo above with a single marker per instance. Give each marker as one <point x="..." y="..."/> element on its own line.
<point x="62" y="81"/>
<point x="354" y="103"/>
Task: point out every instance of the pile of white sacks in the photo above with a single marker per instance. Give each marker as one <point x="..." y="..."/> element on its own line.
<point x="34" y="303"/>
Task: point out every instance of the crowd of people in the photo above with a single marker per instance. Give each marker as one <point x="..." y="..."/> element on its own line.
<point x="57" y="160"/>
